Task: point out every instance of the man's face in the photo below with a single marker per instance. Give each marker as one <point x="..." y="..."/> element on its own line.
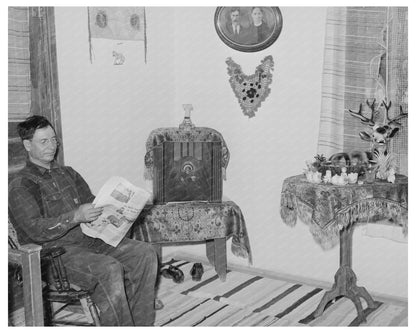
<point x="235" y="16"/>
<point x="42" y="147"/>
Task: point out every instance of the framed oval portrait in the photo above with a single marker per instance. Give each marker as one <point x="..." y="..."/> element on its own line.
<point x="248" y="29"/>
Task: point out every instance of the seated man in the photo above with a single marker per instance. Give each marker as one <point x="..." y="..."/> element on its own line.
<point x="48" y="202"/>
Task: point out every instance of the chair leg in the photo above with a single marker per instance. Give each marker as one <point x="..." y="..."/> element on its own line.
<point x="90" y="310"/>
<point x="93" y="311"/>
<point x="86" y="309"/>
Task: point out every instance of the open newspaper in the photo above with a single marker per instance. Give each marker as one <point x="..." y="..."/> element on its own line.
<point x="122" y="204"/>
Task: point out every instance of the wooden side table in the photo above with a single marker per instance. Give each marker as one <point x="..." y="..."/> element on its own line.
<point x="332" y="212"/>
<point x="346" y="280"/>
<point x="179" y="223"/>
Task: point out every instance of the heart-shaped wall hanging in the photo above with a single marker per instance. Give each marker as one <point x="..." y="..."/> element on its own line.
<point x="251" y="90"/>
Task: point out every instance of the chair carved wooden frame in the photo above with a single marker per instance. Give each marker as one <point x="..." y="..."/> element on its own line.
<point x="27" y="258"/>
<point x="36" y="263"/>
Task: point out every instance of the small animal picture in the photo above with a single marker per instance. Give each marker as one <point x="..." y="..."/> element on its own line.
<point x="118" y="58"/>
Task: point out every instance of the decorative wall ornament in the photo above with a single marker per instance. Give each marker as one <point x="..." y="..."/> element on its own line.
<point x="118" y="58"/>
<point x="118" y="23"/>
<point x="251" y="90"/>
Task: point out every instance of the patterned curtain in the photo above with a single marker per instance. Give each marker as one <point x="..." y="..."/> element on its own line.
<point x="365" y="58"/>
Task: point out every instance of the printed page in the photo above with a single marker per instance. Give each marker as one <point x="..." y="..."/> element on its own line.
<point x="122" y="202"/>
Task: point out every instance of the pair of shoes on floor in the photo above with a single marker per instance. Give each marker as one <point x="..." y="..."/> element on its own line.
<point x="197" y="271"/>
<point x="158" y="304"/>
<point x="173" y="273"/>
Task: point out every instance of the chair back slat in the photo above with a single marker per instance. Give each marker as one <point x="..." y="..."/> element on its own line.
<point x="13" y="240"/>
<point x="63" y="275"/>
<point x="12" y="244"/>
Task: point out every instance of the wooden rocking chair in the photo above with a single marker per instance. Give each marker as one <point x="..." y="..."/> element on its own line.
<point x="56" y="287"/>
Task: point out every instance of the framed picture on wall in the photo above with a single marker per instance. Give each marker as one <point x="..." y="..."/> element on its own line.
<point x="248" y="29"/>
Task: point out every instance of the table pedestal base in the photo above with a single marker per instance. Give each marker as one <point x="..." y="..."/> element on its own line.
<point x="346" y="280"/>
<point x="346" y="285"/>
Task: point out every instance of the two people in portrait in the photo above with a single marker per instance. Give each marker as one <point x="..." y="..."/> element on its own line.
<point x="247" y="26"/>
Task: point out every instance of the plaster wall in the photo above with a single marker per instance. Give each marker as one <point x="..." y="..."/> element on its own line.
<point x="108" y="112"/>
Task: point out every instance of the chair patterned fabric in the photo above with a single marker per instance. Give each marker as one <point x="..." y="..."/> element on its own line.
<point x="194" y="221"/>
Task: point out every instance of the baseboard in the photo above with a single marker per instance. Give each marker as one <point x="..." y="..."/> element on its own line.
<point x="281" y="276"/>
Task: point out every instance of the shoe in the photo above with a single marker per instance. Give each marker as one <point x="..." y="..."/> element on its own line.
<point x="158" y="304"/>
<point x="197" y="271"/>
<point x="173" y="273"/>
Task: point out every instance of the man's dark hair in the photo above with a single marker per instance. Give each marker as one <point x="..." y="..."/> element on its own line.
<point x="235" y="9"/>
<point x="28" y="127"/>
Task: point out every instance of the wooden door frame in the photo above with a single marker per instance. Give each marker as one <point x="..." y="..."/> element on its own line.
<point x="44" y="69"/>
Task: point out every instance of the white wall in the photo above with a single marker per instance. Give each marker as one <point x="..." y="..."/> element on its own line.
<point x="108" y="112"/>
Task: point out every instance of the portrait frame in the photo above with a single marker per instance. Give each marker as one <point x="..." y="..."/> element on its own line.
<point x="248" y="39"/>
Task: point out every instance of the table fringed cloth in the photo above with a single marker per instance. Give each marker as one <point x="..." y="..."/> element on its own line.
<point x="327" y="208"/>
<point x="175" y="134"/>
<point x="194" y="221"/>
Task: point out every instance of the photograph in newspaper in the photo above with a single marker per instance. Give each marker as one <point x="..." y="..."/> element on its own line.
<point x="122" y="202"/>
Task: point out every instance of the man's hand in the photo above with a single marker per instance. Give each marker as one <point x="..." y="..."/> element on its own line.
<point x="87" y="213"/>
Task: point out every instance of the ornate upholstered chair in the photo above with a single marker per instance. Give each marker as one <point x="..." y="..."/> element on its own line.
<point x="187" y="166"/>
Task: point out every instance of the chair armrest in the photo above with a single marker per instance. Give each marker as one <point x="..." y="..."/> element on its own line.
<point x="28" y="256"/>
<point x="16" y="255"/>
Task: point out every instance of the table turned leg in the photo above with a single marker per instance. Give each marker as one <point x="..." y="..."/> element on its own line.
<point x="216" y="250"/>
<point x="346" y="280"/>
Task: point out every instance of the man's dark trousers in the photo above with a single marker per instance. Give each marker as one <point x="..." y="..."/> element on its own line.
<point x="103" y="268"/>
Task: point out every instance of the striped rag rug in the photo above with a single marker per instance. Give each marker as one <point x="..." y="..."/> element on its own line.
<point x="250" y="300"/>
